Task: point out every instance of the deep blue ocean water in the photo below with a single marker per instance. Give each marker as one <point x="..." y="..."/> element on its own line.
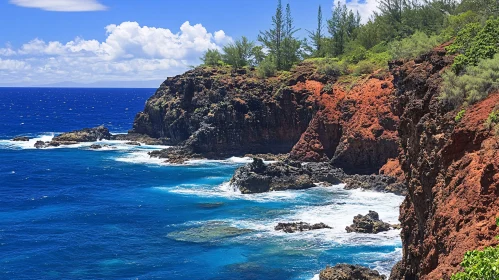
<point x="76" y="213"/>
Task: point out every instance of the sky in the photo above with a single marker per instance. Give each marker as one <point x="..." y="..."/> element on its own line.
<point x="131" y="43"/>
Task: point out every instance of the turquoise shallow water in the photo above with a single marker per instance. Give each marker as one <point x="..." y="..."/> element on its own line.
<point x="75" y="213"/>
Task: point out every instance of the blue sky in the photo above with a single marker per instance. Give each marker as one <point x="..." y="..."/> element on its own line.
<point x="127" y="42"/>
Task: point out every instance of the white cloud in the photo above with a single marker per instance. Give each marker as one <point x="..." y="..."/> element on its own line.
<point x="366" y="8"/>
<point x="130" y="52"/>
<point x="61" y="5"/>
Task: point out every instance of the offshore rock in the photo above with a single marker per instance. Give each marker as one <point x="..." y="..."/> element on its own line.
<point x="256" y="177"/>
<point x="349" y="272"/>
<point x="300" y="226"/>
<point x="369" y="223"/>
<point x="21" y="138"/>
<point x="84" y="135"/>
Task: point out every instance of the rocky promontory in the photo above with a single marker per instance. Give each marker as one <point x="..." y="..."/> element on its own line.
<point x="221" y="112"/>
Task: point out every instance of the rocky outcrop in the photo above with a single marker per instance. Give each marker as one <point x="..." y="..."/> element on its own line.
<point x="84" y="135"/>
<point x="221" y="112"/>
<point x="379" y="183"/>
<point x="257" y="177"/>
<point x="21" y="139"/>
<point x="349" y="272"/>
<point x="355" y="128"/>
<point x="300" y="226"/>
<point x="451" y="171"/>
<point x="369" y="223"/>
<point x="141" y="138"/>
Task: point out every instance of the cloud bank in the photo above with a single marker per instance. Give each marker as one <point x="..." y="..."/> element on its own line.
<point x="61" y="5"/>
<point x="129" y="53"/>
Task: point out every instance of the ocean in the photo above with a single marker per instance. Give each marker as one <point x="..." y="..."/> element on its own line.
<point x="74" y="213"/>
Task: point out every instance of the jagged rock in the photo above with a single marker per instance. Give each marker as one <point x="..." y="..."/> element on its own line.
<point x="369" y="223"/>
<point x="300" y="226"/>
<point x="95" y="146"/>
<point x="40" y="144"/>
<point x="218" y="113"/>
<point x="83" y="135"/>
<point x="451" y="170"/>
<point x="21" y="138"/>
<point x="349" y="272"/>
<point x="133" y="143"/>
<point x="256" y="177"/>
<point x="380" y="183"/>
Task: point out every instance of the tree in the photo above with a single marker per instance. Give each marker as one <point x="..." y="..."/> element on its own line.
<point x="272" y="38"/>
<point x="239" y="53"/>
<point x="317" y="36"/>
<point x="290" y="45"/>
<point x="212" y="57"/>
<point x="342" y="27"/>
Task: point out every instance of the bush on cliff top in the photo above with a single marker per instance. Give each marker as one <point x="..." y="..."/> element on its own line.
<point x="413" y="46"/>
<point x="476" y="84"/>
<point x="475" y="42"/>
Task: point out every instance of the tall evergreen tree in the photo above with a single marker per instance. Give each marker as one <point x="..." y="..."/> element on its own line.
<point x="342" y="27"/>
<point x="317" y="36"/>
<point x="290" y="45"/>
<point x="272" y="38"/>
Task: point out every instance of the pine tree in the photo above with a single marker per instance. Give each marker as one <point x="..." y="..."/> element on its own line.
<point x="317" y="37"/>
<point x="290" y="45"/>
<point x="272" y="38"/>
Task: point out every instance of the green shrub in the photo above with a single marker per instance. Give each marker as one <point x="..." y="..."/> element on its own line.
<point x="460" y="115"/>
<point x="474" y="43"/>
<point x="330" y="66"/>
<point x="480" y="265"/>
<point x="266" y="68"/>
<point x="492" y="119"/>
<point x="364" y="67"/>
<point x="476" y="84"/>
<point x="413" y="46"/>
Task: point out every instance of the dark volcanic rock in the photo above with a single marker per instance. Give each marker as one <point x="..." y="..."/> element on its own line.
<point x="21" y="138"/>
<point x="369" y="223"/>
<point x="380" y="183"/>
<point x="177" y="155"/>
<point x="300" y="226"/>
<point x="256" y="177"/>
<point x="40" y="144"/>
<point x="349" y="272"/>
<point x="95" y="147"/>
<point x="84" y="135"/>
<point x="217" y="112"/>
<point x="133" y="143"/>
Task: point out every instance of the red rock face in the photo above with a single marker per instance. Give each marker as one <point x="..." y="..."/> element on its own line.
<point x="452" y="172"/>
<point x="355" y="128"/>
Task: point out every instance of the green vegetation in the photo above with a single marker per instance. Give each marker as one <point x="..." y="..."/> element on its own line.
<point x="342" y="45"/>
<point x="475" y="84"/>
<point x="460" y="115"/>
<point x="475" y="42"/>
<point x="480" y="265"/>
